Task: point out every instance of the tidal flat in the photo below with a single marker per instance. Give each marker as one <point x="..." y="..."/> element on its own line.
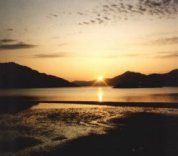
<point x="83" y="129"/>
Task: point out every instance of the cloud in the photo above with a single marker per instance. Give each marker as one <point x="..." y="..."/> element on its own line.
<point x="132" y="55"/>
<point x="165" y="55"/>
<point x="54" y="55"/>
<point x="6" y="40"/>
<point x="115" y="56"/>
<point x="10" y="29"/>
<point x="62" y="44"/>
<point x="110" y="56"/>
<point x="168" y="40"/>
<point x="52" y="15"/>
<point x="106" y="18"/>
<point x="14" y="46"/>
<point x="92" y="21"/>
<point x="80" y="13"/>
<point x="123" y="10"/>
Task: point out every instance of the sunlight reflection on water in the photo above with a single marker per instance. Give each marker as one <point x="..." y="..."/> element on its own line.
<point x="100" y="94"/>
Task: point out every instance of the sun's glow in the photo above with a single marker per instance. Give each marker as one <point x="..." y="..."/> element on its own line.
<point x="100" y="95"/>
<point x="100" y="78"/>
<point x="100" y="81"/>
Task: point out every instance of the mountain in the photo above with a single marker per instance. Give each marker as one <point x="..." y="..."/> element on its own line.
<point x="83" y="83"/>
<point x="138" y="80"/>
<point x="91" y="83"/>
<point x="128" y="79"/>
<point x="13" y="75"/>
<point x="171" y="78"/>
<point x="131" y="79"/>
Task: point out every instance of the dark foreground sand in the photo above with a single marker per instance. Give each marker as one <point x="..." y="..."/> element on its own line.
<point x="143" y="134"/>
<point x="45" y="130"/>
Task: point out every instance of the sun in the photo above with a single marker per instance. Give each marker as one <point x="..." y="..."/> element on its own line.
<point x="100" y="78"/>
<point x="100" y="81"/>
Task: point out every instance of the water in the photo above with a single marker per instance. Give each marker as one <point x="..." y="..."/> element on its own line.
<point x="48" y="126"/>
<point x="99" y="94"/>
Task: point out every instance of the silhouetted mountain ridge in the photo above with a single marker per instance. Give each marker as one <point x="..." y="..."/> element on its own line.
<point x="175" y="71"/>
<point x="13" y="75"/>
<point x="139" y="80"/>
<point x="83" y="83"/>
<point x="131" y="79"/>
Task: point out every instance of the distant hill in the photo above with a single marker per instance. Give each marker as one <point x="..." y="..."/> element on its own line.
<point x="90" y="83"/>
<point x="131" y="79"/>
<point x="84" y="83"/>
<point x="13" y="75"/>
<point x="138" y="80"/>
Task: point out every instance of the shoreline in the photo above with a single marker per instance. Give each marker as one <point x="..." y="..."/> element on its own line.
<point x="119" y="104"/>
<point x="120" y="128"/>
<point x="7" y="101"/>
<point x="135" y="134"/>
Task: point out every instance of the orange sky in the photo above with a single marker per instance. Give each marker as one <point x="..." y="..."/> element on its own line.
<point x="81" y="39"/>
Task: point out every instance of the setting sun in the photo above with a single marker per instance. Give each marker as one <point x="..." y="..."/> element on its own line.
<point x="100" y="81"/>
<point x="100" y="78"/>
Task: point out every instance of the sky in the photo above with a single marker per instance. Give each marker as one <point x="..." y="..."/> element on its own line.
<point x="84" y="39"/>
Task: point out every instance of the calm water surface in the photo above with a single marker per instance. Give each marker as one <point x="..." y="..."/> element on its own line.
<point x="47" y="126"/>
<point x="100" y="94"/>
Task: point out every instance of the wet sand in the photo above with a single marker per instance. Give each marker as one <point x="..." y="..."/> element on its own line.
<point x="139" y="134"/>
<point x="87" y="129"/>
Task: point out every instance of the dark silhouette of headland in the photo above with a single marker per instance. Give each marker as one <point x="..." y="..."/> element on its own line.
<point x="15" y="104"/>
<point x="13" y="75"/>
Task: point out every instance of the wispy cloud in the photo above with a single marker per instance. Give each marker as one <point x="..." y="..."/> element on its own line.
<point x="77" y="55"/>
<point x="115" y="56"/>
<point x="53" y="55"/>
<point x="165" y="55"/>
<point x="10" y="29"/>
<point x="132" y="55"/>
<point x="6" y="40"/>
<point x="52" y="15"/>
<point x="13" y="46"/>
<point x="62" y="44"/>
<point x="165" y="41"/>
<point x="168" y="40"/>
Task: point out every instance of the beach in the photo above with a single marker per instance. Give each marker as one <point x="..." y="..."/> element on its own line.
<point x="35" y="128"/>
